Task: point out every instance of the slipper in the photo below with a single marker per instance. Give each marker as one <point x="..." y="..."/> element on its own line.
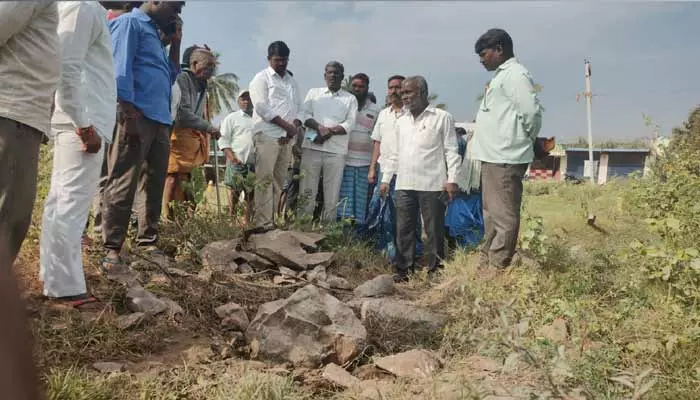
<point x="81" y="303"/>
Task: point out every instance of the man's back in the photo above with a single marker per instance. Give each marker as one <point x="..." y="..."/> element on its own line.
<point x="29" y="61"/>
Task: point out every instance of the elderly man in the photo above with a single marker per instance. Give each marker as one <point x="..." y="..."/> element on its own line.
<point x="330" y="113"/>
<point x="355" y="186"/>
<point x="507" y="125"/>
<point x="276" y="103"/>
<point x="30" y="70"/>
<point x="82" y="123"/>
<point x="425" y="158"/>
<point x="237" y="144"/>
<point x="144" y="81"/>
<point x="189" y="140"/>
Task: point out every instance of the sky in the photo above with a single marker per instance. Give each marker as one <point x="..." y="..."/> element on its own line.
<point x="645" y="56"/>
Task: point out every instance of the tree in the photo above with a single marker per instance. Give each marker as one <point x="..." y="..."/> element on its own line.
<point x="222" y="91"/>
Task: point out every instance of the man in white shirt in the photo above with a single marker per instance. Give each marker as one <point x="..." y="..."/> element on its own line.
<point x="82" y="126"/>
<point x="424" y="156"/>
<point x="384" y="128"/>
<point x="354" y="189"/>
<point x="276" y="103"/>
<point x="237" y="144"/>
<point x="30" y="69"/>
<point x="330" y="113"/>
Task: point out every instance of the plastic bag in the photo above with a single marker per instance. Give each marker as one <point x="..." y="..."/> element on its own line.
<point x="464" y="220"/>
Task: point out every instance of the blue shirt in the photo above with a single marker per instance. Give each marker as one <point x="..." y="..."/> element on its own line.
<point x="144" y="74"/>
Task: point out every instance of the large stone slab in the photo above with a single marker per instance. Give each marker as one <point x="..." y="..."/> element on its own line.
<point x="220" y="254"/>
<point x="285" y="248"/>
<point x="389" y="310"/>
<point x="308" y="329"/>
<point x="382" y="285"/>
<point x="411" y="364"/>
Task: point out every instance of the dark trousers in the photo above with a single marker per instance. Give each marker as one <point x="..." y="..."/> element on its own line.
<point x="431" y="205"/>
<point x="19" y="161"/>
<point x="502" y="194"/>
<point x="147" y="149"/>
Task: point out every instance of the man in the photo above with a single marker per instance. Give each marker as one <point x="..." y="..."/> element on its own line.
<point x="462" y="141"/>
<point x="330" y="113"/>
<point x="189" y="140"/>
<point x="30" y="69"/>
<point x="355" y="185"/>
<point x="144" y="79"/>
<point x="237" y="144"/>
<point x="507" y="125"/>
<point x="276" y="103"/>
<point x="423" y="155"/>
<point x="117" y="8"/>
<point x="82" y="124"/>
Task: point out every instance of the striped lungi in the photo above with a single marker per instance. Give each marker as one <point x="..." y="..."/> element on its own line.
<point x="354" y="193"/>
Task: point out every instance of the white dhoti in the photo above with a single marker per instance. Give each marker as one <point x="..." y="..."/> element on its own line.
<point x="73" y="185"/>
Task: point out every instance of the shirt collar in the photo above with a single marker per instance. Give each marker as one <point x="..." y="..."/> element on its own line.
<point x="271" y="71"/>
<point x="507" y="63"/>
<point x="328" y="91"/>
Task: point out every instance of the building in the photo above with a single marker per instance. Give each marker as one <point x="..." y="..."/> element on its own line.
<point x="611" y="162"/>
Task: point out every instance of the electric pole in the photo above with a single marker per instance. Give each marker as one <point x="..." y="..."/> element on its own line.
<point x="592" y="167"/>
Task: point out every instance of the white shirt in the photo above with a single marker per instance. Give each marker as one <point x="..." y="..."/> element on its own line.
<point x="176" y="94"/>
<point x="359" y="140"/>
<point x="426" y="155"/>
<point x="237" y="135"/>
<point x="87" y="92"/>
<point x="384" y="130"/>
<point x="330" y="109"/>
<point x="273" y="96"/>
<point x="29" y="61"/>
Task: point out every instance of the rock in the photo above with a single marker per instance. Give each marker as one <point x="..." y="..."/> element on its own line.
<point x="309" y="328"/>
<point x="139" y="299"/>
<point x="555" y="332"/>
<point x="245" y="269"/>
<point x="287" y="272"/>
<point x="129" y="321"/>
<point x="382" y="285"/>
<point x="480" y="363"/>
<point x="220" y="254"/>
<point x="173" y="309"/>
<point x="369" y="371"/>
<point x="160" y="279"/>
<point x="318" y="274"/>
<point x="411" y="364"/>
<point x="374" y="390"/>
<point x="205" y="274"/>
<point x="283" y="248"/>
<point x="109" y="367"/>
<point x="387" y="310"/>
<point x="179" y="273"/>
<point x="309" y="240"/>
<point x="233" y="316"/>
<point x="339" y="376"/>
<point x="255" y="261"/>
<point x="337" y="282"/>
<point x="282" y="280"/>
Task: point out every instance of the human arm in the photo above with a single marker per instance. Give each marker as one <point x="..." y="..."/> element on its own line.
<point x="186" y="111"/>
<point x="174" y="54"/>
<point x="225" y="142"/>
<point x="349" y="123"/>
<point x="372" y="175"/>
<point x="520" y="90"/>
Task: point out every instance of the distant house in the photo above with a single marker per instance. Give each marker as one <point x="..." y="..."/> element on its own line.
<point x="611" y="162"/>
<point x="550" y="167"/>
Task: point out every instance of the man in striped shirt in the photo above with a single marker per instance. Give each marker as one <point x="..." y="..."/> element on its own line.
<point x="355" y="187"/>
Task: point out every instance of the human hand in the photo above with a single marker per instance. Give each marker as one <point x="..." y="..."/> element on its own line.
<point x="92" y="143"/>
<point x="452" y="189"/>
<point x="383" y="189"/>
<point x="215" y="133"/>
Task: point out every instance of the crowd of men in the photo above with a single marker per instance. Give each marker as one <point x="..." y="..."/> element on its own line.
<point x="129" y="122"/>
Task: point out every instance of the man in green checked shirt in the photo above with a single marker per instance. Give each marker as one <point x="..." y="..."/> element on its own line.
<point x="507" y="124"/>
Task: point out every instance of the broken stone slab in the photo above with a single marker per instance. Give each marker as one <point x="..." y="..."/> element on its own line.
<point x="339" y="376"/>
<point x="318" y="274"/>
<point x="109" y="367"/>
<point x="287" y="272"/>
<point x="141" y="300"/>
<point x="370" y="371"/>
<point x="382" y="285"/>
<point x="310" y="240"/>
<point x="416" y="364"/>
<point x="284" y="248"/>
<point x="282" y="280"/>
<point x="386" y="311"/>
<point x="255" y="261"/>
<point x="173" y="309"/>
<point x="336" y="282"/>
<point x="220" y="254"/>
<point x="233" y="316"/>
<point x="308" y="329"/>
<point x="246" y="269"/>
<point x="129" y="321"/>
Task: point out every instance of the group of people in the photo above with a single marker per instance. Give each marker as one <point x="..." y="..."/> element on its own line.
<point x="128" y="122"/>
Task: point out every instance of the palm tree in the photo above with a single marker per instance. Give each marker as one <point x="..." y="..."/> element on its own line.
<point x="222" y="90"/>
<point x="432" y="98"/>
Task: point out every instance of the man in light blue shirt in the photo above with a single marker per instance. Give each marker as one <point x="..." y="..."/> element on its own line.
<point x="144" y="77"/>
<point x="507" y="125"/>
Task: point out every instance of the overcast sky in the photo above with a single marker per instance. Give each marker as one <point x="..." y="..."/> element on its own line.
<point x="645" y="57"/>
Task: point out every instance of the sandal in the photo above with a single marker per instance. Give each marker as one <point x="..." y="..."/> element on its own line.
<point x="84" y="302"/>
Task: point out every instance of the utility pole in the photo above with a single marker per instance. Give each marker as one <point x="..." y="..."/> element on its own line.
<point x="592" y="167"/>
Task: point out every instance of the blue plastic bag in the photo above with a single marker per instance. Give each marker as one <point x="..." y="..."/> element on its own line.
<point x="464" y="220"/>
